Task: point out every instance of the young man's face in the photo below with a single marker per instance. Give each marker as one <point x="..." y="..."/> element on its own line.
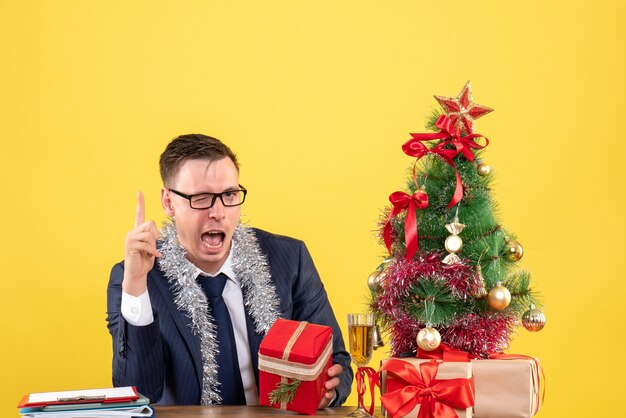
<point x="206" y="234"/>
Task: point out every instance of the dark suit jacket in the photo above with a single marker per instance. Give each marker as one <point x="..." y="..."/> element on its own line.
<point x="163" y="359"/>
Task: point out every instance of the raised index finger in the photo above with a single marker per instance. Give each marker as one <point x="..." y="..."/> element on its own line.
<point x="140" y="214"/>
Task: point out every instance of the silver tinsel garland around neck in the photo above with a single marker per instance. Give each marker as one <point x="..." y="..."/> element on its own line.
<point x="259" y="295"/>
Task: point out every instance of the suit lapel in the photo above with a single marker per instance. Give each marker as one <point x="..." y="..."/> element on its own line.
<point x="183" y="323"/>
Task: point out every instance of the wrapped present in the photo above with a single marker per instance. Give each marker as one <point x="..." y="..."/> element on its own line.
<point x="294" y="358"/>
<point x="508" y="387"/>
<point x="425" y="388"/>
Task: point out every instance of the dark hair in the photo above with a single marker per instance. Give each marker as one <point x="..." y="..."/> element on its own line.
<point x="192" y="147"/>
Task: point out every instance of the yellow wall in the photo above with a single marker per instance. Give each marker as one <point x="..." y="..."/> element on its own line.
<point x="316" y="98"/>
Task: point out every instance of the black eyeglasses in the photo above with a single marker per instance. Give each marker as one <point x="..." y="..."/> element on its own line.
<point x="207" y="200"/>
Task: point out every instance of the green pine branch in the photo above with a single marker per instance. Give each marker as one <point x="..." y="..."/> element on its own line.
<point x="284" y="392"/>
<point x="430" y="300"/>
<point x="522" y="296"/>
<point x="432" y="119"/>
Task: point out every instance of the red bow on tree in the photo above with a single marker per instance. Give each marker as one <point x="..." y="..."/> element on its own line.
<point x="437" y="398"/>
<point x="451" y="136"/>
<point x="401" y="201"/>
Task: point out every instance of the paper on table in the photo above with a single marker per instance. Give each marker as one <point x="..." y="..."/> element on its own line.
<point x="91" y="405"/>
<point x="108" y="393"/>
<point x="141" y="411"/>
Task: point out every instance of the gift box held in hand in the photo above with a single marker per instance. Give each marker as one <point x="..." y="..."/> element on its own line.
<point x="294" y="358"/>
<point x="422" y="388"/>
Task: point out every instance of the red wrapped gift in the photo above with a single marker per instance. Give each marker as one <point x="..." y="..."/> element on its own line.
<point x="421" y="388"/>
<point x="294" y="358"/>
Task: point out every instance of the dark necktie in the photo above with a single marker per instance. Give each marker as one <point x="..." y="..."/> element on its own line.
<point x="228" y="374"/>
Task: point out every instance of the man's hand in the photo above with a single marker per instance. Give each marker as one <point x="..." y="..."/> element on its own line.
<point x="331" y="384"/>
<point x="139" y="252"/>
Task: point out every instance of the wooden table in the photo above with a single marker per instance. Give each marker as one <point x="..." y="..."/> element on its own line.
<point x="241" y="411"/>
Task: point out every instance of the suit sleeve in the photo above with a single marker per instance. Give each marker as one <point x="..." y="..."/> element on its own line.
<point x="310" y="303"/>
<point x="138" y="358"/>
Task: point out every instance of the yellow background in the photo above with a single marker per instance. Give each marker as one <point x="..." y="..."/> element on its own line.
<point x="316" y="98"/>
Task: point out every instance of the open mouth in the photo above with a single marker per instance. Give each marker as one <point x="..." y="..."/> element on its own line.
<point x="213" y="239"/>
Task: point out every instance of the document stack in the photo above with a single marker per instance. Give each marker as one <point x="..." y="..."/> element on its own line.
<point x="123" y="402"/>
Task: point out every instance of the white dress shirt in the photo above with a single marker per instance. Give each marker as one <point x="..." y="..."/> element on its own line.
<point x="137" y="311"/>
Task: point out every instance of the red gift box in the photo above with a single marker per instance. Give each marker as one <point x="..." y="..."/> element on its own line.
<point x="293" y="352"/>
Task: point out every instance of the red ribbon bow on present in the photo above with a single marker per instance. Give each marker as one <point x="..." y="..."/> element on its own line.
<point x="437" y="398"/>
<point x="451" y="136"/>
<point x="400" y="202"/>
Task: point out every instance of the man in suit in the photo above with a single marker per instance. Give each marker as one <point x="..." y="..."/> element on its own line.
<point x="190" y="304"/>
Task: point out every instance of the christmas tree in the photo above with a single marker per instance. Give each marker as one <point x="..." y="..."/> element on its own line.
<point x="452" y="272"/>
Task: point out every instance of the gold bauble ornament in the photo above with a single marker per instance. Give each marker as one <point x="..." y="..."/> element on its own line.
<point x="483" y="169"/>
<point x="514" y="250"/>
<point x="534" y="319"/>
<point x="428" y="339"/>
<point x="499" y="297"/>
<point x="374" y="281"/>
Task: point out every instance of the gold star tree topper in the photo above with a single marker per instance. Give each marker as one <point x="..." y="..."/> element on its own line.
<point x="462" y="110"/>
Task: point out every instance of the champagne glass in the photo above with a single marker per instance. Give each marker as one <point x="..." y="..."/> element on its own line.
<point x="361" y="339"/>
